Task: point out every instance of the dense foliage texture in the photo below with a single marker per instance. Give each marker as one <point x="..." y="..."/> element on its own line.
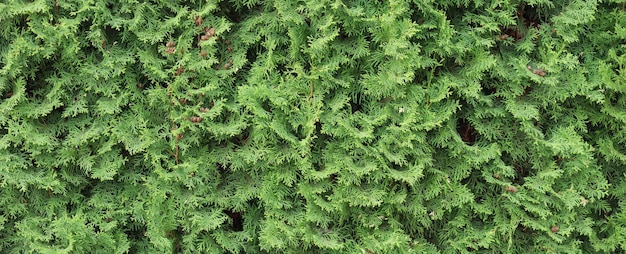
<point x="327" y="126"/>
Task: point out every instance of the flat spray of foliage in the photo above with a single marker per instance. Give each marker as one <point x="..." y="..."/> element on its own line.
<point x="326" y="126"/>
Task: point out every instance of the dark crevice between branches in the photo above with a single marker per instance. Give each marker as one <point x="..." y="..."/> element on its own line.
<point x="522" y="168"/>
<point x="237" y="220"/>
<point x="235" y="13"/>
<point x="136" y="234"/>
<point x="222" y="170"/>
<point x="466" y="131"/>
<point x="265" y="105"/>
<point x="253" y="52"/>
<point x="320" y="144"/>
<point x="532" y="15"/>
<point x="333" y="179"/>
<point x="356" y="103"/>
<point x="242" y="139"/>
<point x="529" y="17"/>
<point x="177" y="238"/>
<point x="488" y="89"/>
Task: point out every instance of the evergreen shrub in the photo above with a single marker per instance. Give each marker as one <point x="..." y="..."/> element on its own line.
<point x="326" y="126"/>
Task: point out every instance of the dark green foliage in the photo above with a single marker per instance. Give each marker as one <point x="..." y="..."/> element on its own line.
<point x="282" y="126"/>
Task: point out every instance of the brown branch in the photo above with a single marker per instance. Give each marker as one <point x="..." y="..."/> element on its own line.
<point x="176" y="155"/>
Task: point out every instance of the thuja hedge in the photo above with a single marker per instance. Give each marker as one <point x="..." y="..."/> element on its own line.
<point x="249" y="126"/>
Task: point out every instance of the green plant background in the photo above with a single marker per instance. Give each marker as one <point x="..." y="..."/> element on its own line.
<point x="249" y="126"/>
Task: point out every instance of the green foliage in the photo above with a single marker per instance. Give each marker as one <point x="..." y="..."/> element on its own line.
<point x="312" y="126"/>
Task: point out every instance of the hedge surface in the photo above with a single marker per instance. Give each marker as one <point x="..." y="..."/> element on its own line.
<point x="327" y="126"/>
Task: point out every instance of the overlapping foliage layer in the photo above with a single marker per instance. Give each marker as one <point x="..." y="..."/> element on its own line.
<point x="251" y="126"/>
